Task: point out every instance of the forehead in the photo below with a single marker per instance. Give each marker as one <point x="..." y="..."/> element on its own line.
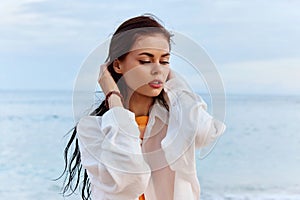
<point x="151" y="42"/>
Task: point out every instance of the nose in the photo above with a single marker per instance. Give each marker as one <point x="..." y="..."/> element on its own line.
<point x="156" y="68"/>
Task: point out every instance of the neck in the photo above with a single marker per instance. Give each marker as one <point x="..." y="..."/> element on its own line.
<point x="139" y="104"/>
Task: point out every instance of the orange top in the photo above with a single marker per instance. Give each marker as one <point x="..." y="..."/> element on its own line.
<point x="142" y="197"/>
<point x="142" y="122"/>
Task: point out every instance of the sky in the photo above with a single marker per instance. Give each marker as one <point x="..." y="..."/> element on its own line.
<point x="253" y="43"/>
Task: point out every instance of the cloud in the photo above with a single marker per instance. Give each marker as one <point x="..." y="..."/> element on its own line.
<point x="246" y="39"/>
<point x="33" y="25"/>
<point x="44" y="23"/>
<point x="265" y="76"/>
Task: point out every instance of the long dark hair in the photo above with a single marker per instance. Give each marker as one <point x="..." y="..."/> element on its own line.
<point x="118" y="49"/>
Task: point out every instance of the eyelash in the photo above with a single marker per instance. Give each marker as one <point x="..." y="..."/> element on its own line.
<point x="144" y="62"/>
<point x="164" y="62"/>
<point x="147" y="62"/>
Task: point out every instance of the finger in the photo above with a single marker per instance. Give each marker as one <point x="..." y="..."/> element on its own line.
<point x="170" y="75"/>
<point x="103" y="68"/>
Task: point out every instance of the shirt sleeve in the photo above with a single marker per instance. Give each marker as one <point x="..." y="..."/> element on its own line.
<point x="190" y="112"/>
<point x="111" y="154"/>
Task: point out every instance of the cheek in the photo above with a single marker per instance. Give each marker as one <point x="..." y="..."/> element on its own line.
<point x="137" y="77"/>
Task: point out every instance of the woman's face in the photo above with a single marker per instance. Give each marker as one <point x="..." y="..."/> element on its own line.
<point x="146" y="67"/>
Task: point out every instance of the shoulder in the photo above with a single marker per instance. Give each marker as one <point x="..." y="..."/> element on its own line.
<point x="88" y="126"/>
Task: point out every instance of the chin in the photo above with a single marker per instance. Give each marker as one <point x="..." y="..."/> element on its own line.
<point x="155" y="93"/>
<point x="149" y="92"/>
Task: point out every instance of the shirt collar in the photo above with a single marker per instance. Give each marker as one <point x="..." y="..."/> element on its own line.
<point x="158" y="110"/>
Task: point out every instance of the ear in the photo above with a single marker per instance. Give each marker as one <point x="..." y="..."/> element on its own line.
<point x="117" y="66"/>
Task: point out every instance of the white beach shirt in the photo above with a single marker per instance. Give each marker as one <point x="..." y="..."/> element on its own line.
<point x="121" y="168"/>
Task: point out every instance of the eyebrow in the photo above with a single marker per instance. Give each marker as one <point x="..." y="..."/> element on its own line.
<point x="151" y="55"/>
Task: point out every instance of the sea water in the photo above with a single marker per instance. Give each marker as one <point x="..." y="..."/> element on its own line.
<point x="256" y="158"/>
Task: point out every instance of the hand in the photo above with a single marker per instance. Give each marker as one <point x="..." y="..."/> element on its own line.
<point x="106" y="81"/>
<point x="171" y="75"/>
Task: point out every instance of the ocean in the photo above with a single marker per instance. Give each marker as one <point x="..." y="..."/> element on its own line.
<point x="256" y="158"/>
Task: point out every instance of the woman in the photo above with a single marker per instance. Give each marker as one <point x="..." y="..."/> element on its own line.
<point x="140" y="142"/>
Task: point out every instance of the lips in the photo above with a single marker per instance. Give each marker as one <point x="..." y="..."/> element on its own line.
<point x="156" y="84"/>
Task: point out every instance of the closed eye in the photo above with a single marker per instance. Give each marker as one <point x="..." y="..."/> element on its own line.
<point x="144" y="61"/>
<point x="164" y="62"/>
